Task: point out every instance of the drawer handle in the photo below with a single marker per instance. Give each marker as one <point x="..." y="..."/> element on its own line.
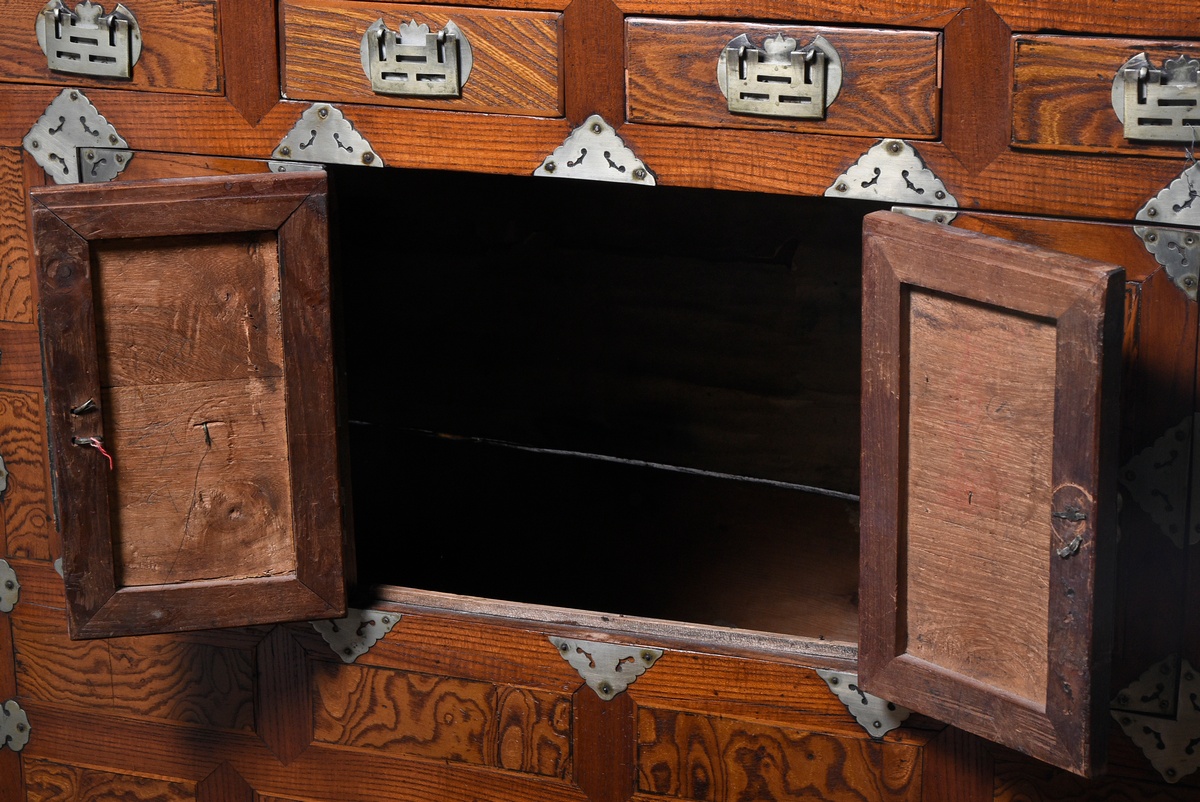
<point x="780" y="79"/>
<point x="1161" y="105"/>
<point x="87" y="41"/>
<point x="416" y="62"/>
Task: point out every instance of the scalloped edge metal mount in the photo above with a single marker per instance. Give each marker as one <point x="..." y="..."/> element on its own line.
<point x="10" y="588"/>
<point x="458" y="59"/>
<point x="353" y="636"/>
<point x="323" y="135"/>
<point x="14" y="726"/>
<point x="607" y="668"/>
<point x="832" y="78"/>
<point x="73" y="142"/>
<point x="1157" y="480"/>
<point x="1176" y="249"/>
<point x="892" y="171"/>
<point x="116" y="60"/>
<point x="1162" y="96"/>
<point x="877" y="716"/>
<point x="593" y="151"/>
<point x="1160" y="713"/>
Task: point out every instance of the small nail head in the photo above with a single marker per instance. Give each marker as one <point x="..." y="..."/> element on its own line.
<point x="639" y="174"/>
<point x="285" y="151"/>
<point x="551" y="167"/>
<point x="368" y="157"/>
<point x="597" y="128"/>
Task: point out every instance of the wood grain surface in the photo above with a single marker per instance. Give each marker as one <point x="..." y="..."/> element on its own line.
<point x="16" y="302"/>
<point x="889" y="88"/>
<point x="179" y="48"/>
<point x="48" y="780"/>
<point x="26" y="503"/>
<point x="516" y="55"/>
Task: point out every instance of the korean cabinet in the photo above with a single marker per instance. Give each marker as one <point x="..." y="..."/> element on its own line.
<point x="569" y="399"/>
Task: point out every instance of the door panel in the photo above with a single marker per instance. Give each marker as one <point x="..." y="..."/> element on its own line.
<point x="186" y="333"/>
<point x="990" y="372"/>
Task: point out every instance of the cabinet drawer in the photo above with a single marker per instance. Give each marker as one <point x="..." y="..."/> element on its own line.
<point x="178" y="47"/>
<point x="890" y="83"/>
<point x="515" y="53"/>
<point x="1063" y="92"/>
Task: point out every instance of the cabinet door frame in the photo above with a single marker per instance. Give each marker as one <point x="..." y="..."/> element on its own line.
<point x="1082" y="300"/>
<point x="68" y="223"/>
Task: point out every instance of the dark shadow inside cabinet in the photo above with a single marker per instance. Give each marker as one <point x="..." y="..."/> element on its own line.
<point x="604" y="397"/>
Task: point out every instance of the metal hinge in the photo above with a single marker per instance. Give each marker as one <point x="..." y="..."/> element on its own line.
<point x="1158" y="104"/>
<point x="74" y="143"/>
<point x="416" y="62"/>
<point x="780" y="79"/>
<point x="1173" y="233"/>
<point x="87" y="41"/>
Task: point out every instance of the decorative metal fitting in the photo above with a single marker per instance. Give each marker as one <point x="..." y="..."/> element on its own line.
<point x="1158" y="481"/>
<point x="780" y="79"/>
<point x="353" y="636"/>
<point x="1161" y="105"/>
<point x="10" y="588"/>
<point x="3" y="479"/>
<point x="87" y="41"/>
<point x="607" y="668"/>
<point x="892" y="171"/>
<point x="1160" y="712"/>
<point x="594" y="151"/>
<point x="14" y="726"/>
<point x="877" y="716"/>
<point x="1176" y="250"/>
<point x="323" y="135"/>
<point x="416" y="62"/>
<point x="74" y="143"/>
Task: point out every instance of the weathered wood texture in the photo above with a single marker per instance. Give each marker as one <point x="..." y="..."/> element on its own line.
<point x="516" y="55"/>
<point x="890" y="85"/>
<point x="26" y="502"/>
<point x="442" y="718"/>
<point x="60" y="782"/>
<point x="16" y="302"/>
<point x="906" y="267"/>
<point x="179" y="48"/>
<point x="1062" y="92"/>
<point x="688" y="756"/>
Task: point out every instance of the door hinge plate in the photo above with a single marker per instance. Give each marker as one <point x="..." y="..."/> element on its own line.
<point x="74" y="143"/>
<point x="1173" y="233"/>
<point x="1158" y="104"/>
<point x="87" y="41"/>
<point x="780" y="79"/>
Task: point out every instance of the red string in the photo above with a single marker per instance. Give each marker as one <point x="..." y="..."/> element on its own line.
<point x="98" y="444"/>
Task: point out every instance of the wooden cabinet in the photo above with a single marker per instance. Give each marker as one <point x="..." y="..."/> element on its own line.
<point x="572" y="419"/>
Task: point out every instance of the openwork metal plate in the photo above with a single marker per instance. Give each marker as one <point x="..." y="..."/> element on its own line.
<point x="353" y="636"/>
<point x="323" y="135"/>
<point x="594" y="151"/>
<point x="1176" y="249"/>
<point x="1160" y="712"/>
<point x="607" y="668"/>
<point x="416" y="62"/>
<point x="892" y="171"/>
<point x="10" y="588"/>
<point x="1160" y="105"/>
<point x="14" y="726"/>
<point x="1157" y="479"/>
<point x="877" y="716"/>
<point x="75" y="144"/>
<point x="780" y="79"/>
<point x="87" y="41"/>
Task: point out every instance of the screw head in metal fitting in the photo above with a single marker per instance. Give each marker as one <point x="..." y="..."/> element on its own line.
<point x="1152" y="212"/>
<point x="285" y="151"/>
<point x="368" y="157"/>
<point x="323" y="112"/>
<point x="1189" y="240"/>
<point x="940" y="195"/>
<point x="939" y="218"/>
<point x="605" y="688"/>
<point x="1189" y="282"/>
<point x="895" y="146"/>
<point x="90" y="155"/>
<point x="597" y="128"/>
<point x="639" y="174"/>
<point x="1151" y="237"/>
<point x="841" y="187"/>
<point x="120" y="159"/>
<point x="8" y="584"/>
<point x="74" y="96"/>
<point x="550" y="167"/>
<point x="112" y="138"/>
<point x="33" y="143"/>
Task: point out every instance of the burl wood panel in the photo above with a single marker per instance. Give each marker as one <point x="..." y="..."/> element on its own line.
<point x="701" y="757"/>
<point x="190" y="347"/>
<point x="48" y="781"/>
<point x="516" y="55"/>
<point x="980" y="427"/>
<point x="443" y="718"/>
<point x="1062" y="92"/>
<point x="16" y="302"/>
<point x="889" y="88"/>
<point x="179" y="48"/>
<point x="26" y="503"/>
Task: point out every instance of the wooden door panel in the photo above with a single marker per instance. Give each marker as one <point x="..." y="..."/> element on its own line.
<point x="990" y="372"/>
<point x="188" y="348"/>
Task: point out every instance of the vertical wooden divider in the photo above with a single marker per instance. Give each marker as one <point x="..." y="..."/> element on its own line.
<point x="605" y="745"/>
<point x="283" y="697"/>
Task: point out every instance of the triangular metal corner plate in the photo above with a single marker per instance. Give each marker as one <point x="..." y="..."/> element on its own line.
<point x="594" y="152"/>
<point x="893" y="172"/>
<point x="74" y="144"/>
<point x="1159" y="713"/>
<point x="1157" y="480"/>
<point x="323" y="135"/>
<point x="353" y="636"/>
<point x="877" y="716"/>
<point x="607" y="668"/>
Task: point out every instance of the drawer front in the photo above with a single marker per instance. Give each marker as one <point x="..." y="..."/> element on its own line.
<point x="178" y="47"/>
<point x="515" y="54"/>
<point x="1063" y="92"/>
<point x="890" y="84"/>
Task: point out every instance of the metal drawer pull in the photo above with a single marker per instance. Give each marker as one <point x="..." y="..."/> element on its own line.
<point x="87" y="41"/>
<point x="780" y="80"/>
<point x="1158" y="104"/>
<point x="416" y="62"/>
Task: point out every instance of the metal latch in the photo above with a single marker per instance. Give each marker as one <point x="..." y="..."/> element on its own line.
<point x="416" y="62"/>
<point x="780" y="80"/>
<point x="87" y="41"/>
<point x="1158" y="104"/>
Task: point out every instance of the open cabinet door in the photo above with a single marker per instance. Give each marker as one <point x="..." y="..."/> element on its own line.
<point x="990" y="383"/>
<point x="191" y="403"/>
